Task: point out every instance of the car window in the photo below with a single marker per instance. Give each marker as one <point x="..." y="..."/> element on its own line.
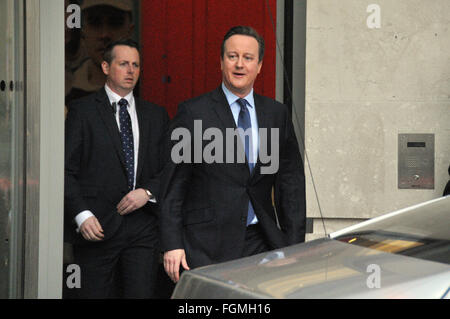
<point x="422" y="232"/>
<point x="424" y="248"/>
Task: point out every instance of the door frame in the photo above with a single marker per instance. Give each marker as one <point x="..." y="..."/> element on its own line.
<point x="44" y="109"/>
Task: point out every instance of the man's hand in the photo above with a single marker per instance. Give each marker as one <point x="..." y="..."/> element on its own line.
<point x="91" y="229"/>
<point x="132" y="201"/>
<point x="172" y="261"/>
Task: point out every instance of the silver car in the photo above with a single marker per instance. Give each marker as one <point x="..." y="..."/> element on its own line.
<point x="404" y="254"/>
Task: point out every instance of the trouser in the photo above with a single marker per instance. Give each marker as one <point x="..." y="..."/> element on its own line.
<point x="254" y="241"/>
<point x="124" y="266"/>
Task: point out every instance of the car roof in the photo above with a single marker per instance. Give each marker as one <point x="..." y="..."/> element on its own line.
<point x="328" y="268"/>
<point x="323" y="268"/>
<point x="430" y="219"/>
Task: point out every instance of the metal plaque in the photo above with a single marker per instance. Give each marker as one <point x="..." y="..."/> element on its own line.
<point x="416" y="161"/>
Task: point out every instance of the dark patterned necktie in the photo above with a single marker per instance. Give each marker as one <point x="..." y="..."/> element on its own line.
<point x="126" y="133"/>
<point x="245" y="123"/>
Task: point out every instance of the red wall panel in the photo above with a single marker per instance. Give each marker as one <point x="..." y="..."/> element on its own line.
<point x="153" y="40"/>
<point x="181" y="39"/>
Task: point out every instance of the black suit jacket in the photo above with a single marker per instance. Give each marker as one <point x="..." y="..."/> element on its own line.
<point x="95" y="175"/>
<point x="204" y="210"/>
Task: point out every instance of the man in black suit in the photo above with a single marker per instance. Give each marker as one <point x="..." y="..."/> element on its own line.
<point x="217" y="210"/>
<point x="114" y="153"/>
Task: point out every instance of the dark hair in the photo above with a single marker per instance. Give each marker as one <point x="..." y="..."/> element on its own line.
<point x="244" y="30"/>
<point x="108" y="54"/>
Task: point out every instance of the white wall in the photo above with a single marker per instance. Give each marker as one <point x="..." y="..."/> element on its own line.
<point x="44" y="80"/>
<point x="51" y="148"/>
<point x="365" y="86"/>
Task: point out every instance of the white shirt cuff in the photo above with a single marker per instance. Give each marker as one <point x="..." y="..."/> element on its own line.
<point x="81" y="217"/>
<point x="152" y="199"/>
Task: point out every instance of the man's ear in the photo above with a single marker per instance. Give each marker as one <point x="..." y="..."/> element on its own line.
<point x="260" y="66"/>
<point x="105" y="67"/>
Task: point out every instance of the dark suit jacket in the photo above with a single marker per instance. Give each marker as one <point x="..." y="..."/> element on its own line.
<point x="204" y="210"/>
<point x="95" y="175"/>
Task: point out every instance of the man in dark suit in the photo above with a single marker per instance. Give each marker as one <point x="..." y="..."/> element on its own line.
<point x="215" y="211"/>
<point x="114" y="153"/>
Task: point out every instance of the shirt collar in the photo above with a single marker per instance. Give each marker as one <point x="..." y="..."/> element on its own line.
<point x="114" y="97"/>
<point x="232" y="98"/>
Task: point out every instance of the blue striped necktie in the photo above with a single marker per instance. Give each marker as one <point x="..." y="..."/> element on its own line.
<point x="245" y="123"/>
<point x="126" y="134"/>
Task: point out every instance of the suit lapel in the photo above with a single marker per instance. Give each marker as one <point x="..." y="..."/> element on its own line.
<point x="107" y="114"/>
<point x="222" y="109"/>
<point x="144" y="135"/>
<point x="262" y="119"/>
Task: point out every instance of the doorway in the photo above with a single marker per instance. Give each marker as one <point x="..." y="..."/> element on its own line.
<point x="181" y="43"/>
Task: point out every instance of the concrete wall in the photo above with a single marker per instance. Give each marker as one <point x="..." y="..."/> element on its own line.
<point x="364" y="87"/>
<point x="44" y="21"/>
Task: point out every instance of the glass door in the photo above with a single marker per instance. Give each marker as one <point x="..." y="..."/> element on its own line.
<point x="12" y="136"/>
